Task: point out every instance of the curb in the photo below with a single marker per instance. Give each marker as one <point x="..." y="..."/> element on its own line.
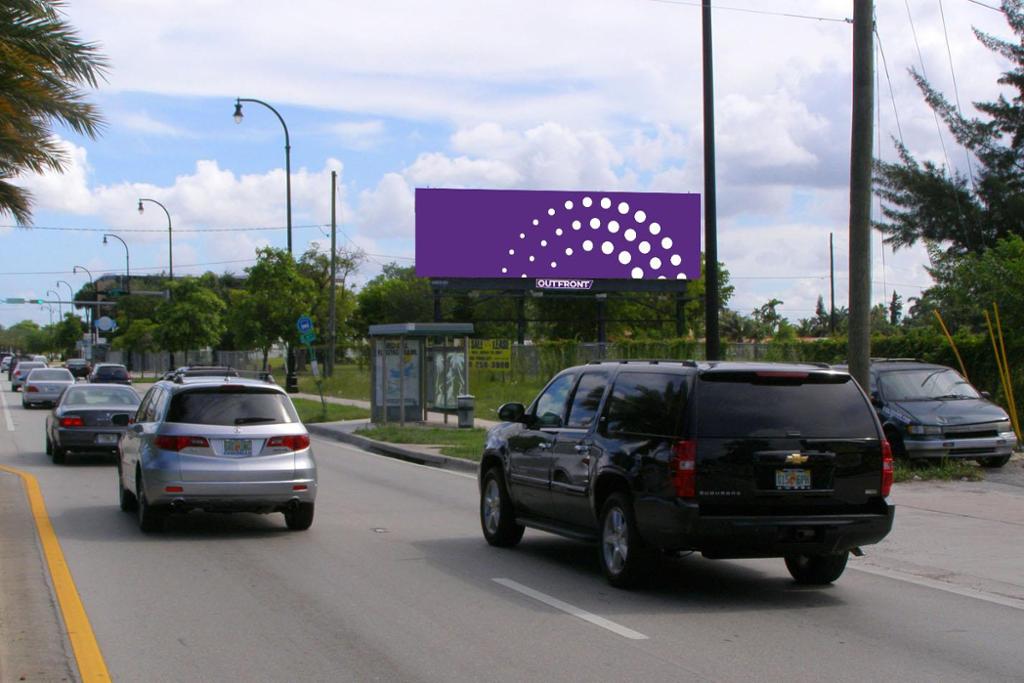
<point x="394" y="450"/>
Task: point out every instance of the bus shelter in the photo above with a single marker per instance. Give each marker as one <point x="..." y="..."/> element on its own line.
<point x="418" y="367"/>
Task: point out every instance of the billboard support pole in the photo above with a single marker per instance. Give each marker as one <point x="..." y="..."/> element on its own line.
<point x="602" y="328"/>
<point x="437" y="305"/>
<point x="681" y="312"/>
<point x="521" y="318"/>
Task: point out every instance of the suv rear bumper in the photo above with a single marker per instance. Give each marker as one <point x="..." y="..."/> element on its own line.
<point x="678" y="525"/>
<point x="1002" y="445"/>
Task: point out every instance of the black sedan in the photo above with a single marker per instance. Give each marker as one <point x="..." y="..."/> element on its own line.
<point x="109" y="373"/>
<point x="82" y="421"/>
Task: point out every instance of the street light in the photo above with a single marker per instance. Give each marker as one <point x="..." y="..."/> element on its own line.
<point x="127" y="267"/>
<point x="89" y="312"/>
<point x="291" y="381"/>
<point x="170" y="256"/>
<point x="60" y="311"/>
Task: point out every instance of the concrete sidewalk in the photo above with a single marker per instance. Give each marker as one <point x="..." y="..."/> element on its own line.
<point x="432" y="417"/>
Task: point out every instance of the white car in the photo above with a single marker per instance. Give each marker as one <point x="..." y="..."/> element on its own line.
<point x="45" y="385"/>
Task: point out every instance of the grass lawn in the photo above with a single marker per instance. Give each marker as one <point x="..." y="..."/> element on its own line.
<point x="457" y="443"/>
<point x="312" y="411"/>
<point x="941" y="470"/>
<point x="490" y="389"/>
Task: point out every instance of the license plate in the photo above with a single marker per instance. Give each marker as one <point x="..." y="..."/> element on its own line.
<point x="792" y="480"/>
<point x="238" y="448"/>
<point x="106" y="438"/>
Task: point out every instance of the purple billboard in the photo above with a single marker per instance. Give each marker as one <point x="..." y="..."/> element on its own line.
<point x="557" y="235"/>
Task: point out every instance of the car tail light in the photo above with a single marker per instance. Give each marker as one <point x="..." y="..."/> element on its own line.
<point x="293" y="442"/>
<point x="683" y="468"/>
<point x="73" y="421"/>
<point x="32" y="389"/>
<point x="887" y="468"/>
<point x="173" y="489"/>
<point x="177" y="443"/>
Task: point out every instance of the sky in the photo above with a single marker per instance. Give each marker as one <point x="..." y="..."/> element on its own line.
<point x="394" y="95"/>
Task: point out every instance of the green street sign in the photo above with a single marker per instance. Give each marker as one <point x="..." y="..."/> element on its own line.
<point x="14" y="301"/>
<point x="307" y="337"/>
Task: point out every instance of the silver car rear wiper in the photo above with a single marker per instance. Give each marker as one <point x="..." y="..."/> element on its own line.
<point x="252" y="420"/>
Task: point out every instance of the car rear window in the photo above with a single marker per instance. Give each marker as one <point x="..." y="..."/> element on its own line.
<point x="231" y="406"/>
<point x="815" y="406"/>
<point x="96" y="395"/>
<point x="113" y="373"/>
<point x="647" y="403"/>
<point x="57" y="375"/>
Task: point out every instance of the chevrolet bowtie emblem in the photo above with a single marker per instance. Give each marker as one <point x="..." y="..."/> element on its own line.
<point x="796" y="459"/>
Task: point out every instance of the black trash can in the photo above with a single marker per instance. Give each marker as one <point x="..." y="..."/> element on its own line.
<point x="465" y="411"/>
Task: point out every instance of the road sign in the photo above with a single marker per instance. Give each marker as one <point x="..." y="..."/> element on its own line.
<point x="307" y="337"/>
<point x="14" y="300"/>
<point x="304" y="324"/>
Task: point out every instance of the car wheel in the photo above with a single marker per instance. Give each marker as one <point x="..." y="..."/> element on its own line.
<point x="497" y="518"/>
<point x="49" y="446"/>
<point x="625" y="558"/>
<point x="994" y="461"/>
<point x="59" y="454"/>
<point x="301" y="518"/>
<point x="150" y="518"/>
<point x="126" y="499"/>
<point x="816" y="570"/>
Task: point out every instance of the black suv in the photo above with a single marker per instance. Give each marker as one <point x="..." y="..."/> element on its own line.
<point x="735" y="460"/>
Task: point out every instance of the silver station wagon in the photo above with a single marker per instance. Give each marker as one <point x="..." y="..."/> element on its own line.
<point x="218" y="444"/>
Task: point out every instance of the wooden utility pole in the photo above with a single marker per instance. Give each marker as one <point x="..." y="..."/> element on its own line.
<point x="861" y="133"/>
<point x="332" y="334"/>
<point x="711" y="298"/>
<point x="832" y="286"/>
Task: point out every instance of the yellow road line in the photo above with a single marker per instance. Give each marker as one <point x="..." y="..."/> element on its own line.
<point x="91" y="666"/>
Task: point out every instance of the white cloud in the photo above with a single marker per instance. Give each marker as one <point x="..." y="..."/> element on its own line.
<point x="360" y="135"/>
<point x="143" y="122"/>
<point x="387" y="210"/>
<point x="67" y="191"/>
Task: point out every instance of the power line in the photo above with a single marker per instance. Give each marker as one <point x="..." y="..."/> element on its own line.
<point x="892" y="95"/>
<point x="748" y="10"/>
<point x="981" y="4"/>
<point x="159" y="230"/>
<point x="924" y="74"/>
<point x="956" y="92"/>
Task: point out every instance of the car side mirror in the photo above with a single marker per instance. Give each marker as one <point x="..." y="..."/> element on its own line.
<point x="121" y="419"/>
<point x="986" y="395"/>
<point x="511" y="412"/>
<point x="876" y="400"/>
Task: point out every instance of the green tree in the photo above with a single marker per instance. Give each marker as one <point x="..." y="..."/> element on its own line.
<point x="67" y="333"/>
<point x="43" y="65"/>
<point x="967" y="213"/>
<point x="192" y="319"/>
<point x="315" y="264"/>
<point x="138" y="337"/>
<point x="394" y="296"/>
<point x="275" y="295"/>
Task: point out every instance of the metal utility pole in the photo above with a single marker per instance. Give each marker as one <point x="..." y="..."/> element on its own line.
<point x="859" y="345"/>
<point x="711" y="298"/>
<point x="333" y="331"/>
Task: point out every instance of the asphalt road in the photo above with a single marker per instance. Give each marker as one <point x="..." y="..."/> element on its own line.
<point x="395" y="583"/>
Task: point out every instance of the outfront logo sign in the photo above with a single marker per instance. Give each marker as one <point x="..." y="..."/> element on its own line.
<point x="557" y="237"/>
<point x="575" y="285"/>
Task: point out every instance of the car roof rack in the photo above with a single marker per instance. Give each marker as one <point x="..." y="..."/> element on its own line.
<point x="650" y="361"/>
<point x="896" y="360"/>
